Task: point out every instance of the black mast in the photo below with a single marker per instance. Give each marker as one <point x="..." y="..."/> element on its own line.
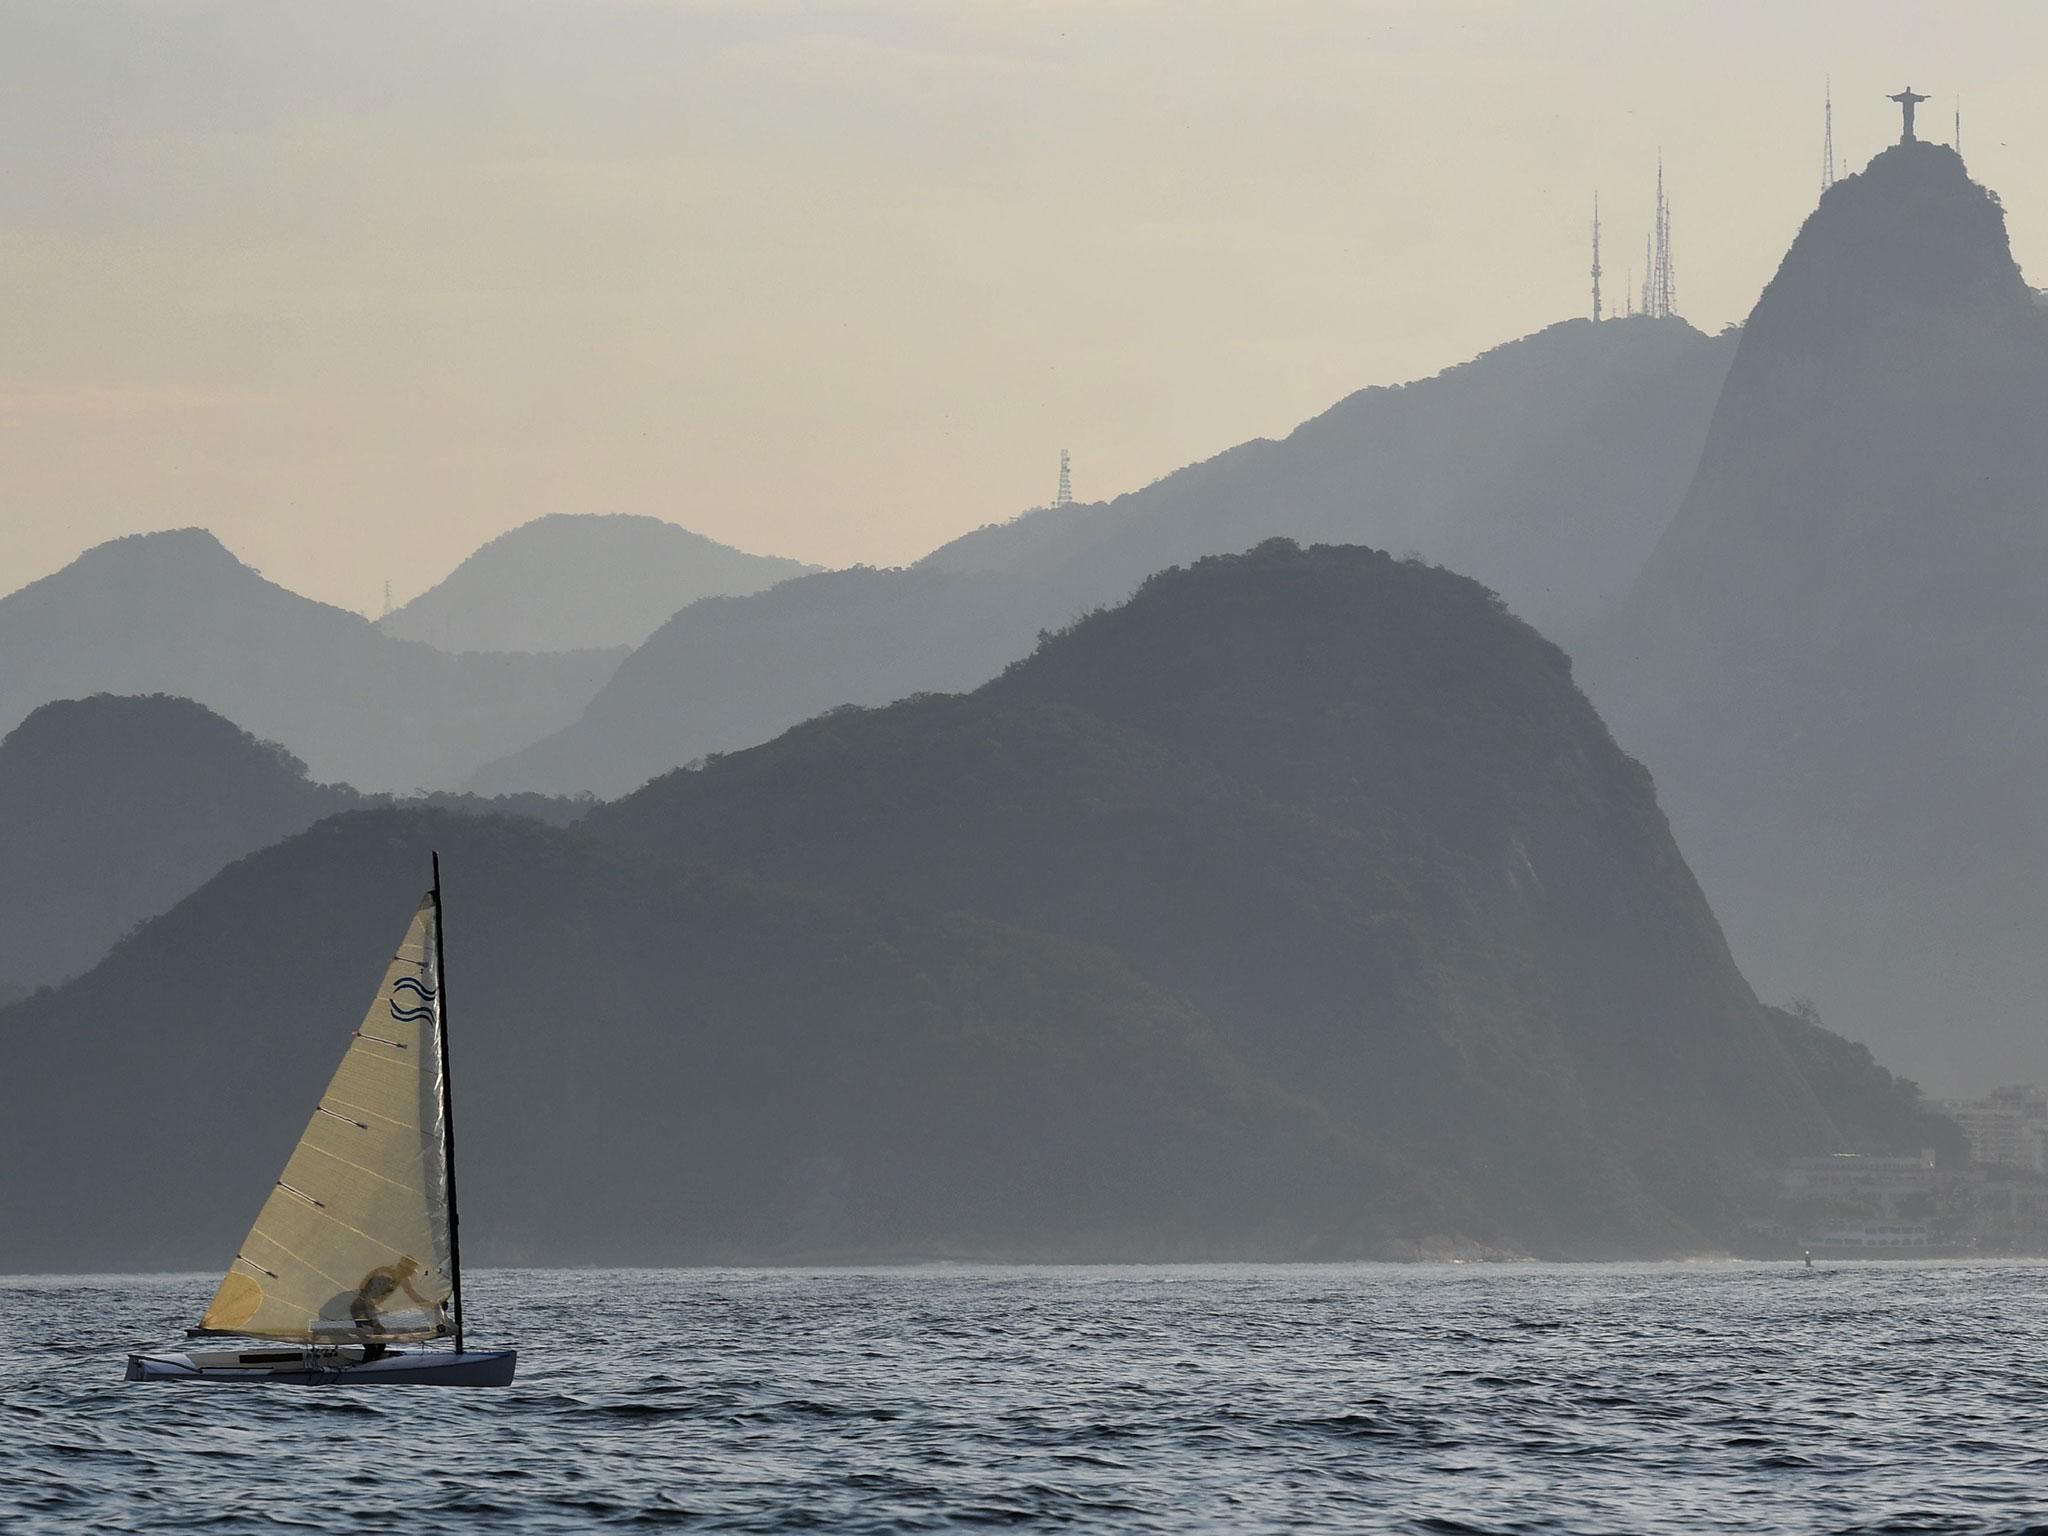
<point x="447" y="1104"/>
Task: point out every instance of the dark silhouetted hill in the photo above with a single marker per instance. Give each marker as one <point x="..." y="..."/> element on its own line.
<point x="569" y="582"/>
<point x="1301" y="907"/>
<point x="1836" y="661"/>
<point x="114" y="809"/>
<point x="176" y="613"/>
<point x="1547" y="467"/>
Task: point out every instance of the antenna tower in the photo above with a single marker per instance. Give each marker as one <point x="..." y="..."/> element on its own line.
<point x="1596" y="257"/>
<point x="387" y="597"/>
<point x="1827" y="136"/>
<point x="1670" y="271"/>
<point x="1065" y="498"/>
<point x="1660" y="284"/>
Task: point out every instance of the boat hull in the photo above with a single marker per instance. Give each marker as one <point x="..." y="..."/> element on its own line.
<point x="324" y="1368"/>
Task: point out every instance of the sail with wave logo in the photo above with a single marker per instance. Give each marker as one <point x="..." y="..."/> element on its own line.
<point x="354" y="1240"/>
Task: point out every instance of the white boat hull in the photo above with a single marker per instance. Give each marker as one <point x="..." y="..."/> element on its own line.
<point x="327" y="1367"/>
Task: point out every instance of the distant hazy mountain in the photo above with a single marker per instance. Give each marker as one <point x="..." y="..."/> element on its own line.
<point x="1547" y="467"/>
<point x="730" y="672"/>
<point x="1301" y="907"/>
<point x="569" y="582"/>
<point x="176" y="613"/>
<point x="1836" y="661"/>
<point x="114" y="809"/>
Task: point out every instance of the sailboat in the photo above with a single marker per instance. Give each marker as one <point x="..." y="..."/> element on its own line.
<point x="356" y="1249"/>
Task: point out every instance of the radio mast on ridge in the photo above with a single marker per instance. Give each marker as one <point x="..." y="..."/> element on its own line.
<point x="1827" y="137"/>
<point x="1596" y="256"/>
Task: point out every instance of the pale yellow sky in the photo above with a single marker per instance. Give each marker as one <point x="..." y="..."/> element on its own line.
<point x="361" y="285"/>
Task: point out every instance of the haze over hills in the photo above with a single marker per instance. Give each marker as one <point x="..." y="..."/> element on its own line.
<point x="1836" y="661"/>
<point x="1547" y="467"/>
<point x="730" y="672"/>
<point x="579" y="582"/>
<point x="1301" y="907"/>
<point x="175" y="613"/>
<point x="114" y="809"/>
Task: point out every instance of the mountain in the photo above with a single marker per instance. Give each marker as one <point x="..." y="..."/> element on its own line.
<point x="175" y="613"/>
<point x="730" y="672"/>
<point x="1836" y="660"/>
<point x="117" y="808"/>
<point x="570" y="582"/>
<point x="1546" y="467"/>
<point x="1301" y="907"/>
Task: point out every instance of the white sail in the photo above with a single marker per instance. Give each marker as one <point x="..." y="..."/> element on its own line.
<point x="353" y="1243"/>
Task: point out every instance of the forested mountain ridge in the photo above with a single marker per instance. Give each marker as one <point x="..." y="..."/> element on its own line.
<point x="112" y="809"/>
<point x="1299" y="908"/>
<point x="1313" y="786"/>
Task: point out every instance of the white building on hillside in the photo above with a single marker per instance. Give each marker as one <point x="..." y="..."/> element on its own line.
<point x="2008" y="1128"/>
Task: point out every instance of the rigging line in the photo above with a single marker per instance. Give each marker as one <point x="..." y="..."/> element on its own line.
<point x="364" y="1109"/>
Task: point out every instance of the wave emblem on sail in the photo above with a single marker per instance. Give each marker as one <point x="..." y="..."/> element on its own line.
<point x="353" y="1242"/>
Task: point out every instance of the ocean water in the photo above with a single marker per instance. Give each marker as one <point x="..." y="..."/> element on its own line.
<point x="1680" y="1398"/>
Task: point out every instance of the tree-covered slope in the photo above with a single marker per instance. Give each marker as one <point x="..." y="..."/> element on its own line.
<point x="1362" y="818"/>
<point x="659" y="1064"/>
<point x="112" y="809"/>
<point x="1301" y="907"/>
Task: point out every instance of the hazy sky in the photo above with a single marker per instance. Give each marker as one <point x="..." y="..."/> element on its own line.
<point x="360" y="285"/>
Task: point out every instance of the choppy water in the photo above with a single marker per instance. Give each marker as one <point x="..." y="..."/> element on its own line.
<point x="1431" y="1399"/>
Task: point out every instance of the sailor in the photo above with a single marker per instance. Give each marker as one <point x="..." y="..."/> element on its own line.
<point x="379" y="1285"/>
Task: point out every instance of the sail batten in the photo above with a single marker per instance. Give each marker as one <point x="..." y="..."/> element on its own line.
<point x="358" y="1221"/>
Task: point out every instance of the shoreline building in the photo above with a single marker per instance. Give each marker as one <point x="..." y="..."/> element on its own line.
<point x="2007" y="1128"/>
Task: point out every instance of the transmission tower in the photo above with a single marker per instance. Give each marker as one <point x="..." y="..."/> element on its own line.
<point x="1670" y="270"/>
<point x="1827" y="137"/>
<point x="1596" y="257"/>
<point x="1660" y="289"/>
<point x="1065" y="498"/>
<point x="387" y="598"/>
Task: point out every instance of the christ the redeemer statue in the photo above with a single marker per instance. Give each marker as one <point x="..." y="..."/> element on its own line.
<point x="1908" y="100"/>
